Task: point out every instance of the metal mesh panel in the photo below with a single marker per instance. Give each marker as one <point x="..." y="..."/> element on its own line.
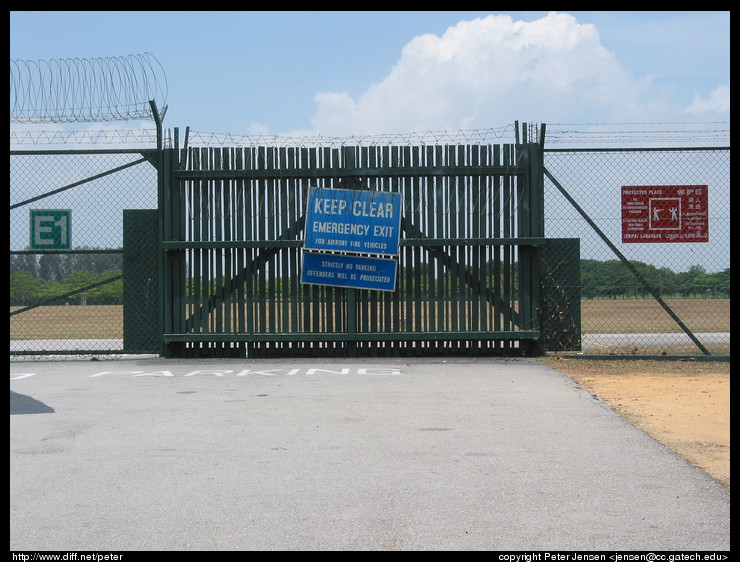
<point x="621" y="314"/>
<point x="561" y="295"/>
<point x="66" y="301"/>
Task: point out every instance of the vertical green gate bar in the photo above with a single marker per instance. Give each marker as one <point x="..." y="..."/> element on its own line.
<point x="468" y="265"/>
<point x="532" y="224"/>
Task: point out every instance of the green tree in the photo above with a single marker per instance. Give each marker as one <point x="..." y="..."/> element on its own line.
<point x="24" y="288"/>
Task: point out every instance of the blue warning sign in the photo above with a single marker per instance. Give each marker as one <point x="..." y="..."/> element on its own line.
<point x="341" y="270"/>
<point x="349" y="220"/>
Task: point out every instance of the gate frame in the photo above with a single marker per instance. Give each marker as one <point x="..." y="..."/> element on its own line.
<point x="529" y="239"/>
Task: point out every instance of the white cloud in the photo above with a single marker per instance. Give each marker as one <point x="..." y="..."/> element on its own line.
<point x="489" y="71"/>
<point x="255" y="128"/>
<point x="718" y="103"/>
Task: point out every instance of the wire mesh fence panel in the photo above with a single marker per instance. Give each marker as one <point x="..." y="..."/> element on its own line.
<point x="66" y="247"/>
<point x="239" y="228"/>
<point x="654" y="230"/>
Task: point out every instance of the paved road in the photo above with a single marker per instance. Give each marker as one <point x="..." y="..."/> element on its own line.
<point x="410" y="454"/>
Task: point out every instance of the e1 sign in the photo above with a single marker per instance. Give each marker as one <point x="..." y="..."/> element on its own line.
<point x="50" y="229"/>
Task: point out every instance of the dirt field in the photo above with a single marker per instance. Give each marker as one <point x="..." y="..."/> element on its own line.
<point x="597" y="317"/>
<point x="683" y="404"/>
<point x="646" y="316"/>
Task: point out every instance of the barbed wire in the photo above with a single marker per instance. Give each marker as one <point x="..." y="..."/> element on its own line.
<point x="557" y="135"/>
<point x="76" y="90"/>
<point x="415" y="138"/>
<point x="679" y="133"/>
<point x="94" y="137"/>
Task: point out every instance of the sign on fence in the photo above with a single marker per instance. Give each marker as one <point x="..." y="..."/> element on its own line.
<point x="351" y="238"/>
<point x="349" y="271"/>
<point x="350" y="220"/>
<point x="665" y="213"/>
<point x="50" y="229"/>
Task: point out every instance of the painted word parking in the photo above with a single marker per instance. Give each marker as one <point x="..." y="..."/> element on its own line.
<point x="310" y="371"/>
<point x="245" y="372"/>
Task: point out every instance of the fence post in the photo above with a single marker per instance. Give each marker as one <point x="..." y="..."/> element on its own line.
<point x="531" y="224"/>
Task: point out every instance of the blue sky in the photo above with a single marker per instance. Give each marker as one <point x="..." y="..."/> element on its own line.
<point x="345" y="73"/>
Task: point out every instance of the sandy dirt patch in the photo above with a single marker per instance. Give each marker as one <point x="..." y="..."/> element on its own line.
<point x="683" y="404"/>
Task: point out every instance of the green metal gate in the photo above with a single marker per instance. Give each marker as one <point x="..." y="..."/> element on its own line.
<point x="469" y="263"/>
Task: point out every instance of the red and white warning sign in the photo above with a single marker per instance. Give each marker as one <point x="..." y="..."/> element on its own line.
<point x="665" y="213"/>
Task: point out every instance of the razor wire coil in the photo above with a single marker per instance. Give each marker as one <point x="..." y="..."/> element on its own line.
<point x="74" y="90"/>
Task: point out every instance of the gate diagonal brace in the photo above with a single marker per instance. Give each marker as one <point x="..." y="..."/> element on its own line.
<point x="453" y="265"/>
<point x="230" y="286"/>
<point x="290" y="233"/>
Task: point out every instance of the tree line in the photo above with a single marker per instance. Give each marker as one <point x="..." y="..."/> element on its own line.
<point x="58" y="278"/>
<point x="612" y="279"/>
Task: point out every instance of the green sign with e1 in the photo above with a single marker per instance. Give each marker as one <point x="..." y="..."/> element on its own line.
<point x="50" y="229"/>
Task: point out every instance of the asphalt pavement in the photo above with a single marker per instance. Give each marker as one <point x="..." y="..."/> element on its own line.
<point x="340" y="454"/>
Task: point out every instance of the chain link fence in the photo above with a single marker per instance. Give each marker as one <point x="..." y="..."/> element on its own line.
<point x="66" y="247"/>
<point x="667" y="297"/>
